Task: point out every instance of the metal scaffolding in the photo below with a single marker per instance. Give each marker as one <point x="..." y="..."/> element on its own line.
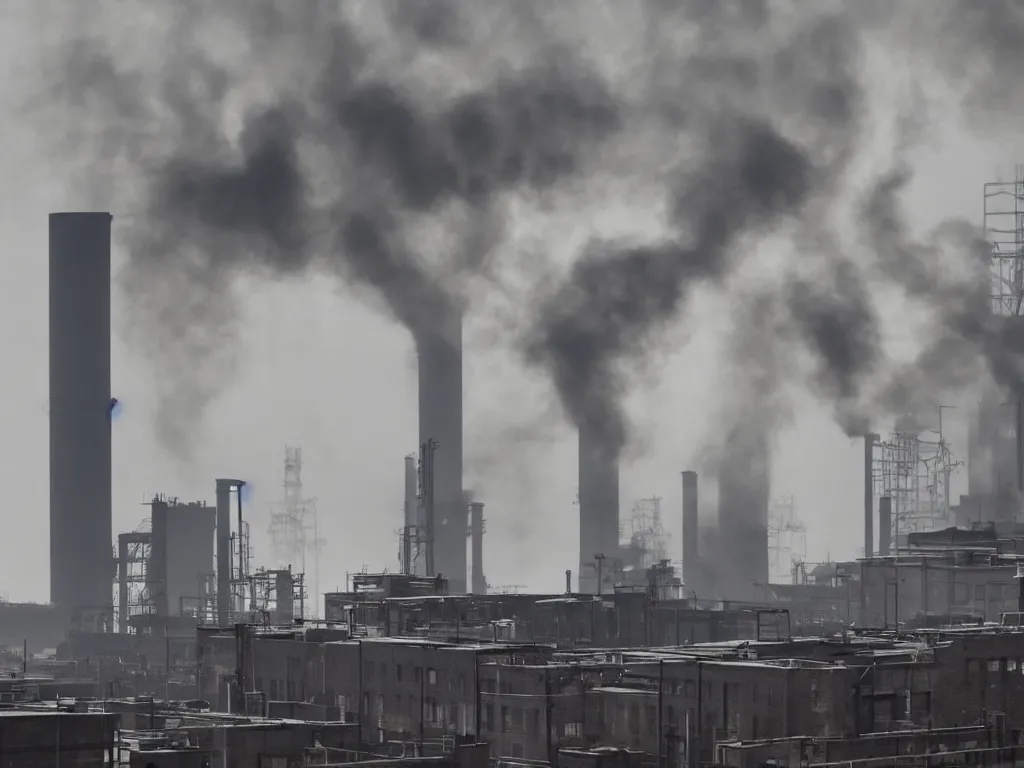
<point x="294" y="529"/>
<point x="787" y="539"/>
<point x="648" y="539"/>
<point x="913" y="468"/>
<point x="132" y="581"/>
<point x="1003" y="220"/>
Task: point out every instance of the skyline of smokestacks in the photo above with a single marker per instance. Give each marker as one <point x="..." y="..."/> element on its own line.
<point x="80" y="408"/>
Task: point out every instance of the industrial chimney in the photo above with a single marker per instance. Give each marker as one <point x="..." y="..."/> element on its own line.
<point x="869" y="493"/>
<point x="225" y="564"/>
<point x="885" y="526"/>
<point x="744" y="488"/>
<point x="599" y="509"/>
<point x="81" y="561"/>
<point x="478" y="583"/>
<point x="691" y="548"/>
<point x="439" y="348"/>
<point x="411" y="508"/>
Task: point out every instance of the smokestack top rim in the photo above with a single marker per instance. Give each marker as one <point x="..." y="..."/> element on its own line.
<point x="81" y="214"/>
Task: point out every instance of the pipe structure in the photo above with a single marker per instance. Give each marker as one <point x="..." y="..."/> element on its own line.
<point x="691" y="550"/>
<point x="410" y="512"/>
<point x="439" y="350"/>
<point x="80" y="409"/>
<point x="478" y="584"/>
<point x="224" y="564"/>
<point x="885" y="526"/>
<point x="870" y="440"/>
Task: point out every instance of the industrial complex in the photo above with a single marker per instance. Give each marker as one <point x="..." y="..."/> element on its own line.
<point x="170" y="646"/>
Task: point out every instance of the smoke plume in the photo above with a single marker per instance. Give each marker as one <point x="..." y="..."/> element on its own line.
<point x="751" y="172"/>
<point x="383" y="144"/>
<point x="341" y="158"/>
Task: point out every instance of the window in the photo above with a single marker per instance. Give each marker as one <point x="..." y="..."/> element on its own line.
<point x="462" y="685"/>
<point x="993" y="665"/>
<point x="417" y="674"/>
<point x="489" y="717"/>
<point x="1011" y="665"/>
<point x="506" y="721"/>
<point x="432" y="676"/>
<point x="652" y="720"/>
<point x="368" y="670"/>
<point x="573" y="730"/>
<point x="689" y="689"/>
<point x="273" y="690"/>
<point x="959" y="592"/>
<point x="670" y="716"/>
<point x="533" y="721"/>
<point x="398" y="672"/>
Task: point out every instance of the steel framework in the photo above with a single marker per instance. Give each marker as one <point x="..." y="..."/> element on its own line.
<point x="294" y="530"/>
<point x="787" y="539"/>
<point x="913" y="468"/>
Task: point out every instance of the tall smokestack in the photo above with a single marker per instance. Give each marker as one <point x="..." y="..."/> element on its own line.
<point x="691" y="549"/>
<point x="885" y="526"/>
<point x="81" y="560"/>
<point x="599" y="509"/>
<point x="409" y="518"/>
<point x="224" y="564"/>
<point x="744" y="487"/>
<point x="440" y="419"/>
<point x="478" y="584"/>
<point x="869" y="493"/>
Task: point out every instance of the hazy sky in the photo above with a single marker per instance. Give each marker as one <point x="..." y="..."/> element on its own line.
<point x="328" y="371"/>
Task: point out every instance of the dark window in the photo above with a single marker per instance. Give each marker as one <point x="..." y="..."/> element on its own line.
<point x="398" y="672"/>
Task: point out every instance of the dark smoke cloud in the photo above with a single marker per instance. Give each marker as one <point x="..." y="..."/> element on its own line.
<point x="337" y="159"/>
<point x="753" y="111"/>
<point x="748" y="176"/>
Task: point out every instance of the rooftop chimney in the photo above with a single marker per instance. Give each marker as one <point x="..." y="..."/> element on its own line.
<point x="81" y="560"/>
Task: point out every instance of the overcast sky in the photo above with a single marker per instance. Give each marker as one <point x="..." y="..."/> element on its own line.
<point x="328" y="371"/>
